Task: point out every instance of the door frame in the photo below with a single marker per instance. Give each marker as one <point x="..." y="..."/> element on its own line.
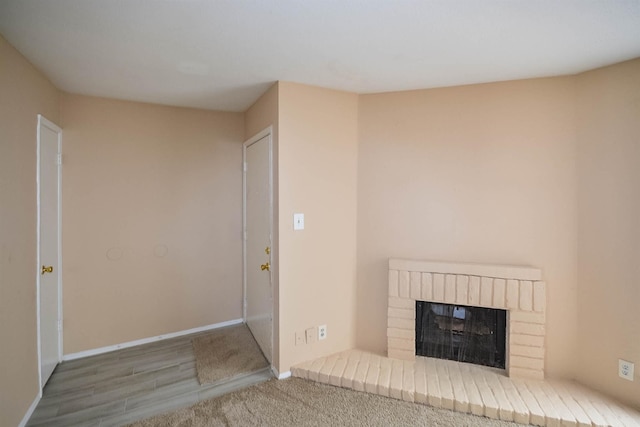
<point x="268" y="132"/>
<point x="42" y="121"/>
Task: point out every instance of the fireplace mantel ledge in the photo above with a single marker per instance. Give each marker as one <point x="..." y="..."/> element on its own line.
<point x="483" y="270"/>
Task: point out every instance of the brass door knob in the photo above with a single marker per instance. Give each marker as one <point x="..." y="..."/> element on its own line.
<point x="265" y="267"/>
<point x="47" y="269"/>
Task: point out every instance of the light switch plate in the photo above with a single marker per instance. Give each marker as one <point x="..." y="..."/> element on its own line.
<point x="298" y="221"/>
<point x="311" y="335"/>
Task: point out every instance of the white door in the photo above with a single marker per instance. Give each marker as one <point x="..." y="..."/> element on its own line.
<point x="49" y="277"/>
<point x="258" y="304"/>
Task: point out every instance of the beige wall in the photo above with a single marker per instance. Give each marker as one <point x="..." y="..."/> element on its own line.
<point x="318" y="176"/>
<point x="609" y="227"/>
<point x="24" y="93"/>
<point x="482" y="173"/>
<point x="262" y="114"/>
<point x="151" y="220"/>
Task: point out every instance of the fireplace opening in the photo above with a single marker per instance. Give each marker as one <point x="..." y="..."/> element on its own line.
<point x="465" y="334"/>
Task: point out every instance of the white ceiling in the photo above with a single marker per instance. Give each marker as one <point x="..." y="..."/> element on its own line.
<point x="223" y="54"/>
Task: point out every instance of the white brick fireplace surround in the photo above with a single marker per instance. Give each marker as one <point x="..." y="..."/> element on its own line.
<point x="464" y="387"/>
<point x="519" y="290"/>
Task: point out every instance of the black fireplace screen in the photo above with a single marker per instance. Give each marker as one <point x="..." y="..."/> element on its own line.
<point x="465" y="334"/>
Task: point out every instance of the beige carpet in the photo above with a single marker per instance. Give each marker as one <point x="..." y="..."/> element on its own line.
<point x="225" y="353"/>
<point x="298" y="402"/>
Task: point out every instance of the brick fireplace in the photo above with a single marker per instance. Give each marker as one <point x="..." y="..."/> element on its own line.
<point x="519" y="290"/>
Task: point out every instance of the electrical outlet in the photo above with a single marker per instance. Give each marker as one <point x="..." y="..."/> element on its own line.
<point x="625" y="369"/>
<point x="322" y="332"/>
<point x="311" y="335"/>
<point x="300" y="338"/>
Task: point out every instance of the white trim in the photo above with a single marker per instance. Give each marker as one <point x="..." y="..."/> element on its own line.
<point x="107" y="349"/>
<point x="43" y="121"/>
<point x="468" y="269"/>
<point x="32" y="408"/>
<point x="267" y="132"/>
<point x="280" y="376"/>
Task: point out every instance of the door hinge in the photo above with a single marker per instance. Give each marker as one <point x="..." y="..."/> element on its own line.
<point x="244" y="166"/>
<point x="59" y="159"/>
<point x="59" y="325"/>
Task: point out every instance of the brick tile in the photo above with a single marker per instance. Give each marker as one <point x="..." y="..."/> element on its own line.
<point x="526" y="295"/>
<point x="403" y="284"/>
<point x="527" y="317"/>
<point x="371" y="381"/>
<point x="446" y="390"/>
<point x="402" y="344"/>
<point x="499" y="289"/>
<point x="384" y="377"/>
<point x="567" y="418"/>
<point x="361" y="372"/>
<point x="335" y="378"/>
<point x="402" y="313"/>
<point x="603" y="409"/>
<point x="520" y="412"/>
<point x="420" y="381"/>
<point x="626" y="415"/>
<point x="488" y="399"/>
<point x="350" y="370"/>
<point x="415" y="290"/>
<point x="505" y="409"/>
<point x="450" y="289"/>
<point x="536" y="414"/>
<point x="401" y="333"/>
<point x="522" y="350"/>
<point x="578" y="412"/>
<point x="585" y="404"/>
<point x="461" y="400"/>
<point x="398" y="302"/>
<point x="539" y="297"/>
<point x="526" y="374"/>
<point x="394" y="322"/>
<point x="395" y="385"/>
<point x="438" y="287"/>
<point x="607" y="413"/>
<point x="474" y="290"/>
<point x="315" y="368"/>
<point x="434" y="396"/>
<point x="530" y="340"/>
<point x="513" y="294"/>
<point x="408" y="385"/>
<point x="527" y="328"/>
<point x="486" y="292"/>
<point x="475" y="400"/>
<point x="301" y="370"/>
<point x="401" y="354"/>
<point x="427" y="287"/>
<point x="462" y="290"/>
<point x="325" y="372"/>
<point x="552" y="418"/>
<point x="393" y="283"/>
<point x="525" y="362"/>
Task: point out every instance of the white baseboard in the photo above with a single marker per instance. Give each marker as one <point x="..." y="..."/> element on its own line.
<point x="32" y="408"/>
<point x="101" y="350"/>
<point x="280" y="376"/>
